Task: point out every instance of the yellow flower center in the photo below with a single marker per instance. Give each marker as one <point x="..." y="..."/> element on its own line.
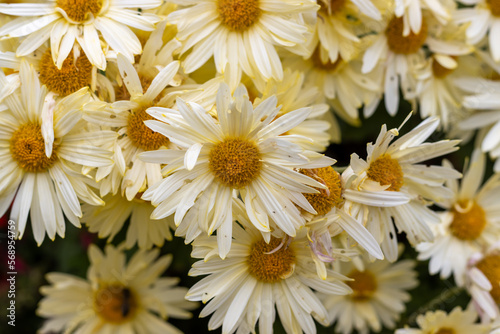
<point x="78" y="10"/>
<point x="115" y="304"/>
<point x="494" y="7"/>
<point x="469" y="220"/>
<point x="238" y="15"/>
<point x="490" y="266"/>
<point x="363" y="286"/>
<point x="28" y="149"/>
<point x="386" y="170"/>
<point x="404" y="44"/>
<point x="445" y="331"/>
<point x="327" y="198"/>
<point x="332" y="6"/>
<point x="72" y="76"/>
<point x="235" y="162"/>
<point x="142" y="136"/>
<point x="328" y="66"/>
<point x="439" y="70"/>
<point x="271" y="268"/>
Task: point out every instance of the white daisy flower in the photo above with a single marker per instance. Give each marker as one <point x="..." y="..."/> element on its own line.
<point x="483" y="283"/>
<point x="470" y="224"/>
<point x="379" y="293"/>
<point x="243" y="152"/>
<point x="258" y="276"/>
<point x="411" y="12"/>
<point x="43" y="146"/>
<point x="109" y="220"/>
<point x="458" y="321"/>
<point x="401" y="56"/>
<point x="483" y="20"/>
<point x="243" y="34"/>
<point x="128" y="117"/>
<point x="116" y="297"/>
<point x="393" y="183"/>
<point x="63" y="22"/>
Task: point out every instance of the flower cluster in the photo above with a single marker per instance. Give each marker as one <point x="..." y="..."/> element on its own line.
<point x="208" y="120"/>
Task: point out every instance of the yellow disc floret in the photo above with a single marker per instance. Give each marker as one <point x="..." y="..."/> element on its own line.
<point x="115" y="304"/>
<point x="386" y="171"/>
<point x="364" y="285"/>
<point x="72" y="76"/>
<point x="404" y="44"/>
<point x="142" y="136"/>
<point x="327" y="198"/>
<point x="269" y="265"/>
<point x="328" y="66"/>
<point x="469" y="220"/>
<point x="235" y="162"/>
<point x="490" y="266"/>
<point x="79" y="10"/>
<point x="28" y="149"/>
<point x="445" y="330"/>
<point x="494" y="7"/>
<point x="238" y="15"/>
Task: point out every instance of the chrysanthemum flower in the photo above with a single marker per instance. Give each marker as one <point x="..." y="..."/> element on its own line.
<point x="65" y="21"/>
<point x="379" y="293"/>
<point x="245" y="152"/>
<point x="242" y="33"/>
<point x="128" y="116"/>
<point x="392" y="182"/>
<point x="457" y="322"/>
<point x="110" y="219"/>
<point x="116" y="297"/>
<point x="258" y="276"/>
<point x="43" y="144"/>
<point x="471" y="224"/>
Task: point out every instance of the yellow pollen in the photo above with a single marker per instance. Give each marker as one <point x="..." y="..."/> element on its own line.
<point x="271" y="268"/>
<point x="28" y="149"/>
<point x="404" y="44"/>
<point x="235" y="162"/>
<point x="494" y="7"/>
<point x="469" y="220"/>
<point x="71" y="77"/>
<point x="332" y="6"/>
<point x="363" y="286"/>
<point x="386" y="170"/>
<point x="115" y="304"/>
<point x="490" y="266"/>
<point x="326" y="199"/>
<point x="78" y="10"/>
<point x="445" y="330"/>
<point x="439" y="70"/>
<point x="238" y="15"/>
<point x="328" y="66"/>
<point x="142" y="136"/>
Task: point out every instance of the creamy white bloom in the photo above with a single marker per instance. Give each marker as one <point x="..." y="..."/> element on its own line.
<point x="258" y="278"/>
<point x="242" y="34"/>
<point x="117" y="296"/>
<point x="380" y="291"/>
<point x="44" y="144"/>
<point x="65" y="22"/>
<point x="470" y="224"/>
<point x="392" y="182"/>
<point x="458" y="321"/>
<point x="243" y="152"/>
